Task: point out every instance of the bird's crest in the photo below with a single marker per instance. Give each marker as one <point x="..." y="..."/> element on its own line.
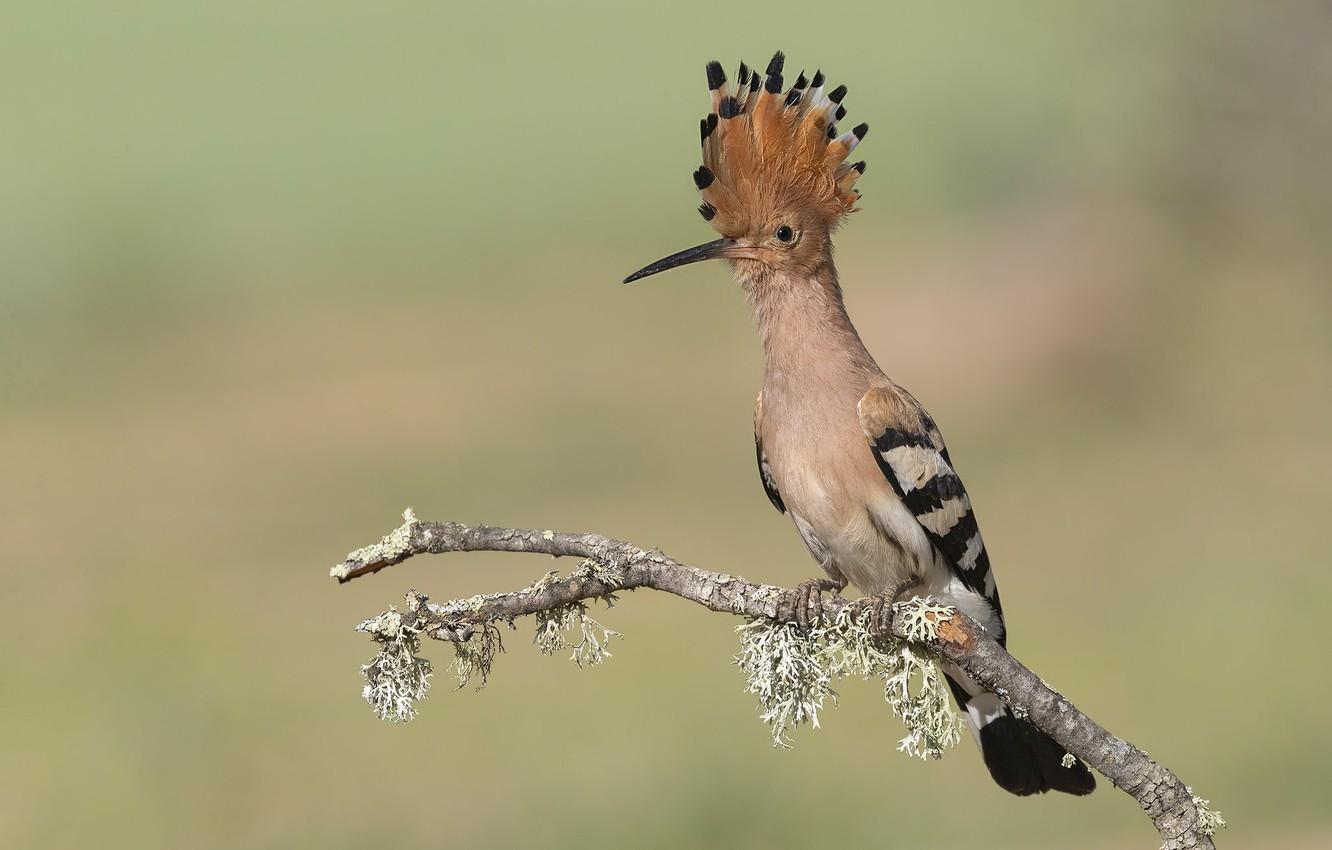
<point x="765" y="149"/>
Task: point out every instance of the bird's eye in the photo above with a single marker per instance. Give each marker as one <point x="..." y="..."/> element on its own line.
<point x="784" y="234"/>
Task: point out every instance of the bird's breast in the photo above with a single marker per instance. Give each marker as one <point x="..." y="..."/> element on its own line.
<point x="842" y="505"/>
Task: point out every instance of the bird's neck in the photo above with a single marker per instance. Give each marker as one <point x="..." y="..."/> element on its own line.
<point x="806" y="333"/>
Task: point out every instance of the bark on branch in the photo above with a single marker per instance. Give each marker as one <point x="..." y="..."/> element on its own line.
<point x="1167" y="801"/>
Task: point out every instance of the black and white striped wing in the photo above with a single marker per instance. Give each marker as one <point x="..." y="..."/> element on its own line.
<point x="915" y="461"/>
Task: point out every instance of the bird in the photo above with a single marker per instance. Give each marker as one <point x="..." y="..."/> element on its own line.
<point x="853" y="459"/>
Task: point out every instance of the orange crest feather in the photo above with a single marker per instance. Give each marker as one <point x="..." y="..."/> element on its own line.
<point x="765" y="150"/>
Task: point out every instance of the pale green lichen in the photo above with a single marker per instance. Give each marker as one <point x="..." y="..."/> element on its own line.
<point x="471" y="604"/>
<point x="396" y="678"/>
<point x="850" y="647"/>
<point x="917" y="693"/>
<point x="921" y="618"/>
<point x="394" y="546"/>
<point x="1209" y="819"/>
<point x="593" y="644"/>
<point x="738" y="604"/>
<point x="474" y="656"/>
<point x="594" y="639"/>
<point x="769" y="596"/>
<point x="791" y="671"/>
<point x="608" y="574"/>
<point x="542" y="583"/>
<point x="550" y="627"/>
<point x="783" y="667"/>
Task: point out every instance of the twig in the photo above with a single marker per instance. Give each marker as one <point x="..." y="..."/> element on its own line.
<point x="615" y="565"/>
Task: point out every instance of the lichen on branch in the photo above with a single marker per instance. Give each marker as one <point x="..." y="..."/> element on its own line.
<point x="594" y="639"/>
<point x="782" y="666"/>
<point x="789" y="669"/>
<point x="396" y="678"/>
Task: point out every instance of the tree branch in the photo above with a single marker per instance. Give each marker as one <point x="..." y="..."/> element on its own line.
<point x="615" y="565"/>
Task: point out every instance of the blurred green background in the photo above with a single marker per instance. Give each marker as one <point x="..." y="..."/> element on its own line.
<point x="271" y="272"/>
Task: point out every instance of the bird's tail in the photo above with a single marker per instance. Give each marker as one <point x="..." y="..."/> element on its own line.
<point x="1021" y="758"/>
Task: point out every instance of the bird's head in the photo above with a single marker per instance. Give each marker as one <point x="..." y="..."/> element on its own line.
<point x="774" y="180"/>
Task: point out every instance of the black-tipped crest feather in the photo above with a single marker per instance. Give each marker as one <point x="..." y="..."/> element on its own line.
<point x="782" y="153"/>
<point x="707" y="125"/>
<point x="716" y="76"/>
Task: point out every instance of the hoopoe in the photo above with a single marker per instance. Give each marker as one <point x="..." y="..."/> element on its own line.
<point x="851" y="457"/>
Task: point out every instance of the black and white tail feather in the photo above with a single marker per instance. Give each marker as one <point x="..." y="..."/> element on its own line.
<point x="1021" y="758"/>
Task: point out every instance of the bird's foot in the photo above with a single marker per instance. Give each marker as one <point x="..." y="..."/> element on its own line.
<point x="881" y="608"/>
<point x="810" y="593"/>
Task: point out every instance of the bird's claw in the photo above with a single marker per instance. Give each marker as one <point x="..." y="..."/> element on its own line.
<point x="810" y="593"/>
<point x="881" y="609"/>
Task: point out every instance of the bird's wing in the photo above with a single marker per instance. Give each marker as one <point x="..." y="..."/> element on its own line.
<point x="911" y="453"/>
<point x="765" y="472"/>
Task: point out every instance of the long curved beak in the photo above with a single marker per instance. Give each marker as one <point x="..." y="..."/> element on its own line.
<point x="707" y="251"/>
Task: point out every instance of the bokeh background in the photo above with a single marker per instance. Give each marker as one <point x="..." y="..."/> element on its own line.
<point x="271" y="272"/>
